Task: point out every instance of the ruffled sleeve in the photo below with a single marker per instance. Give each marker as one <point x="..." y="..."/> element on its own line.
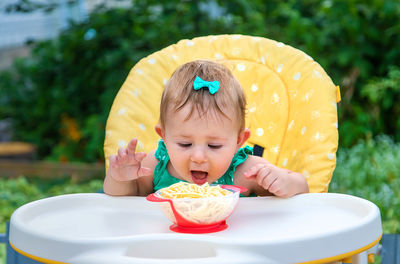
<point x="161" y="155"/>
<point x="240" y="157"/>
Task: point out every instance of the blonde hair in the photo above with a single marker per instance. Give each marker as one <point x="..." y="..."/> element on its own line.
<point x="179" y="92"/>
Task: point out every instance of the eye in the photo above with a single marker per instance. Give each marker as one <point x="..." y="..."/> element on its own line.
<point x="213" y="146"/>
<point x="184" y="145"/>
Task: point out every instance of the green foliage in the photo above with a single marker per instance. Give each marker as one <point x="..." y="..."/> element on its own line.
<point x="59" y="97"/>
<point x="17" y="192"/>
<point x="384" y="94"/>
<point x="3" y="253"/>
<point x="371" y="170"/>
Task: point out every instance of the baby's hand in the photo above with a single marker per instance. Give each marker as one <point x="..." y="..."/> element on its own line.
<point x="273" y="179"/>
<point x="126" y="165"/>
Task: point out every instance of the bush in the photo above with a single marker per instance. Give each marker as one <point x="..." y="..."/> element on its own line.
<point x="371" y="170"/>
<point x="59" y="98"/>
<point x="17" y="192"/>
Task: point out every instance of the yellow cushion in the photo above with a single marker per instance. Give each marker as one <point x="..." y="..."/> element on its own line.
<point x="291" y="101"/>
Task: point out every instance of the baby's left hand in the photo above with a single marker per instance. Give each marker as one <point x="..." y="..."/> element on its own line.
<point x="278" y="181"/>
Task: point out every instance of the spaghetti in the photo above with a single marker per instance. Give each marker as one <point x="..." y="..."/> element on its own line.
<point x="190" y="190"/>
<point x="211" y="204"/>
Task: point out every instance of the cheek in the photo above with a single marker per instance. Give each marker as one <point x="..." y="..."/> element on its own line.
<point x="221" y="163"/>
<point x="178" y="160"/>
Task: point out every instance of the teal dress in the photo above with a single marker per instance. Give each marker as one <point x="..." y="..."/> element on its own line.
<point x="163" y="179"/>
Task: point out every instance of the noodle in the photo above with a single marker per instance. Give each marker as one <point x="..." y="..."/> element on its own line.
<point x="189" y="190"/>
<point x="217" y="205"/>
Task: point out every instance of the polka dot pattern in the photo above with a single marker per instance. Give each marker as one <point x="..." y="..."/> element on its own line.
<point x="241" y="67"/>
<point x="297" y="76"/>
<point x="254" y="88"/>
<point x="279" y="68"/>
<point x="291" y="108"/>
<point x="260" y="132"/>
<point x="122" y="111"/>
<point x="122" y="143"/>
<point x="218" y="56"/>
<point x="139" y="71"/>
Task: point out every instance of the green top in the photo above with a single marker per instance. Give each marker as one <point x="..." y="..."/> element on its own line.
<point x="163" y="179"/>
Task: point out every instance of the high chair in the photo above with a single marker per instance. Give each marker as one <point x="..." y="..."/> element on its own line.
<point x="293" y="118"/>
<point x="292" y="111"/>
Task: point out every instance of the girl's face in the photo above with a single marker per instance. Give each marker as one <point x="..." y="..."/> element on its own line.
<point x="200" y="148"/>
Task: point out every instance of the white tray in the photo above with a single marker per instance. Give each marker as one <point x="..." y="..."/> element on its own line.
<point x="96" y="228"/>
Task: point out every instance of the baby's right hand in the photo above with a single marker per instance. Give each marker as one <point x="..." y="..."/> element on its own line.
<point x="126" y="165"/>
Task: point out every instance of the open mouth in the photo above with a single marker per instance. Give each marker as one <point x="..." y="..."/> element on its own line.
<point x="199" y="177"/>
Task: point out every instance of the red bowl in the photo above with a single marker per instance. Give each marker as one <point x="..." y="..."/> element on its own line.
<point x="199" y="215"/>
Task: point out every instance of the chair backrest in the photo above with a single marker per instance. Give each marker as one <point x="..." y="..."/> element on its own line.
<point x="292" y="110"/>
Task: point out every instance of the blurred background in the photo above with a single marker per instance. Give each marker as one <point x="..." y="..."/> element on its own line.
<point x="63" y="61"/>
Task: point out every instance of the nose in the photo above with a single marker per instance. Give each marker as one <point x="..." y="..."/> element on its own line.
<point x="198" y="155"/>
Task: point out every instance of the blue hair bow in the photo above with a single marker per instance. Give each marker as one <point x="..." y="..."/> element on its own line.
<point x="200" y="83"/>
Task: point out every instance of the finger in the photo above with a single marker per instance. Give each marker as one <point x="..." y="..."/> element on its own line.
<point x="275" y="188"/>
<point x="140" y="156"/>
<point x="270" y="180"/>
<point x="121" y="151"/>
<point x="262" y="176"/>
<point x="131" y="148"/>
<point x="260" y="180"/>
<point x="253" y="171"/>
<point x="144" y="171"/>
<point x="113" y="160"/>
